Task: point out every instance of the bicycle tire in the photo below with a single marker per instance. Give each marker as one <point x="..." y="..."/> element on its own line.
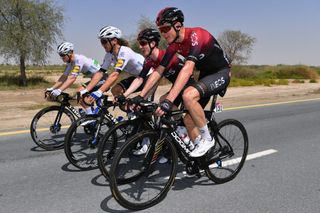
<point x="148" y="172"/>
<point x="55" y="137"/>
<point x="114" y="138"/>
<point x="81" y="141"/>
<point x="227" y="162"/>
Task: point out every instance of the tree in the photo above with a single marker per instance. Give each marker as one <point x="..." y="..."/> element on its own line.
<point x="28" y="29"/>
<point x="237" y="45"/>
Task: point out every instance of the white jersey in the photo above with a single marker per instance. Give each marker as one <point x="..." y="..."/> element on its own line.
<point x="127" y="60"/>
<point x="82" y="64"/>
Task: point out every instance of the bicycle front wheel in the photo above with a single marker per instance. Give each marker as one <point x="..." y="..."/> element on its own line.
<point x="49" y="126"/>
<point x="139" y="182"/>
<point x="230" y="152"/>
<point x="82" y="140"/>
<point x="114" y="138"/>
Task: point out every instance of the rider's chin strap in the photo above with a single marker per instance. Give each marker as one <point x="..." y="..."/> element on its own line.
<point x="111" y="46"/>
<point x="177" y="32"/>
<point x="151" y="49"/>
<point x="69" y="56"/>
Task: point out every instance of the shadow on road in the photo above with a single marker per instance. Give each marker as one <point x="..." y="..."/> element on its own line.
<point x="68" y="167"/>
<point x="100" y="180"/>
<point x="104" y="206"/>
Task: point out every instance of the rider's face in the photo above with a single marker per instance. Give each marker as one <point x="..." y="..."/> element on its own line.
<point x="144" y="47"/>
<point x="168" y="32"/>
<point x="106" y="45"/>
<point x="65" y="58"/>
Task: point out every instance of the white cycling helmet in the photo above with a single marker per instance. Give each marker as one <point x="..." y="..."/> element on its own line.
<point x="65" y="48"/>
<point x="109" y="32"/>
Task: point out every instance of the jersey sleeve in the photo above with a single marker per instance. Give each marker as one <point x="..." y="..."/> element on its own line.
<point x="170" y="52"/>
<point x="76" y="68"/>
<point x="106" y="62"/>
<point x="196" y="46"/>
<point x="146" y="69"/>
<point x="67" y="70"/>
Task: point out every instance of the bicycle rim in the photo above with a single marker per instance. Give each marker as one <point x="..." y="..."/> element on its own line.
<point x="139" y="182"/>
<point x="114" y="138"/>
<point x="45" y="132"/>
<point x="82" y="140"/>
<point x="228" y="157"/>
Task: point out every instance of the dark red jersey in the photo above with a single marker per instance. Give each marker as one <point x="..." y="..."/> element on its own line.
<point x="201" y="47"/>
<point x="172" y="70"/>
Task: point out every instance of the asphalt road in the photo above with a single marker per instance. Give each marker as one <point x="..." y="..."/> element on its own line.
<point x="288" y="180"/>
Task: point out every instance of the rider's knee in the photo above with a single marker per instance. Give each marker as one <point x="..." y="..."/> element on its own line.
<point x="190" y="95"/>
<point x="117" y="90"/>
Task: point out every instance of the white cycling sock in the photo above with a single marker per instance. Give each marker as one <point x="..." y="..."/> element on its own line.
<point x="205" y="134"/>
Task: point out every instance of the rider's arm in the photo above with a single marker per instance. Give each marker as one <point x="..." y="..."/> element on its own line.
<point x="181" y="80"/>
<point x="70" y="80"/>
<point x="110" y="81"/>
<point x="136" y="83"/>
<point x="152" y="80"/>
<point x="59" y="82"/>
<point x="94" y="80"/>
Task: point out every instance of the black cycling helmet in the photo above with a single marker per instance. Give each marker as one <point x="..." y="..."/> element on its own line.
<point x="169" y="15"/>
<point x="149" y="35"/>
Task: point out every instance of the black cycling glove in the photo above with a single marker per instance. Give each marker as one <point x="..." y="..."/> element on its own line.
<point x="166" y="105"/>
<point x="138" y="99"/>
<point x="121" y="99"/>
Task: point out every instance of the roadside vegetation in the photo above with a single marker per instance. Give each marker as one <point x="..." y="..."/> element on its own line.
<point x="242" y="75"/>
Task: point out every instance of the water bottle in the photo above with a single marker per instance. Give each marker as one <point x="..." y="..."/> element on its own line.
<point x="183" y="134"/>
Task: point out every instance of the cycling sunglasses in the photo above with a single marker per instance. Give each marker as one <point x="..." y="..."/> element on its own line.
<point x="103" y="41"/>
<point x="143" y="43"/>
<point x="62" y="55"/>
<point x="165" y="28"/>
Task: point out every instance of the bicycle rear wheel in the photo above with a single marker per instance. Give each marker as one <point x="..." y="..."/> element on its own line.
<point x="48" y="129"/>
<point x="82" y="140"/>
<point x="230" y="152"/>
<point x="114" y="138"/>
<point x="139" y="182"/>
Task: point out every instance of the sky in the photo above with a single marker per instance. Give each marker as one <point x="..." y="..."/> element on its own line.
<point x="286" y="31"/>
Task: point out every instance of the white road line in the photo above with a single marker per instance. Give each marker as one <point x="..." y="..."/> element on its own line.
<point x="249" y="157"/>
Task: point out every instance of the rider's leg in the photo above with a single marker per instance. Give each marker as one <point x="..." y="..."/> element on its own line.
<point x="117" y="90"/>
<point x="207" y="86"/>
<point x="191" y="99"/>
<point x="193" y="130"/>
<point x="87" y="109"/>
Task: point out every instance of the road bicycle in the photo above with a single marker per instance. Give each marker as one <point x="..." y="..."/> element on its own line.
<point x="49" y="126"/>
<point x="138" y="120"/>
<point x="84" y="135"/>
<point x="139" y="182"/>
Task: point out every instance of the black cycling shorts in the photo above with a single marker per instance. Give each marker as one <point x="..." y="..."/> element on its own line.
<point x="213" y="84"/>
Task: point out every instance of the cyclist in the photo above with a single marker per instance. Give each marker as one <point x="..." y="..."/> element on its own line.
<point x="76" y="64"/>
<point x="122" y="58"/>
<point x="202" y="51"/>
<point x="148" y="43"/>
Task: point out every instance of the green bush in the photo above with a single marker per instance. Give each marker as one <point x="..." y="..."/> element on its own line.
<point x="9" y="81"/>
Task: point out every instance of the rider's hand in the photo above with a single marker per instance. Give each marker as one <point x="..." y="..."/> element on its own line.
<point x="83" y="91"/>
<point x="96" y="94"/>
<point x="166" y="106"/>
<point x="49" y="89"/>
<point x="56" y="92"/>
<point x="138" y="99"/>
<point x="159" y="112"/>
<point x="121" y="99"/>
